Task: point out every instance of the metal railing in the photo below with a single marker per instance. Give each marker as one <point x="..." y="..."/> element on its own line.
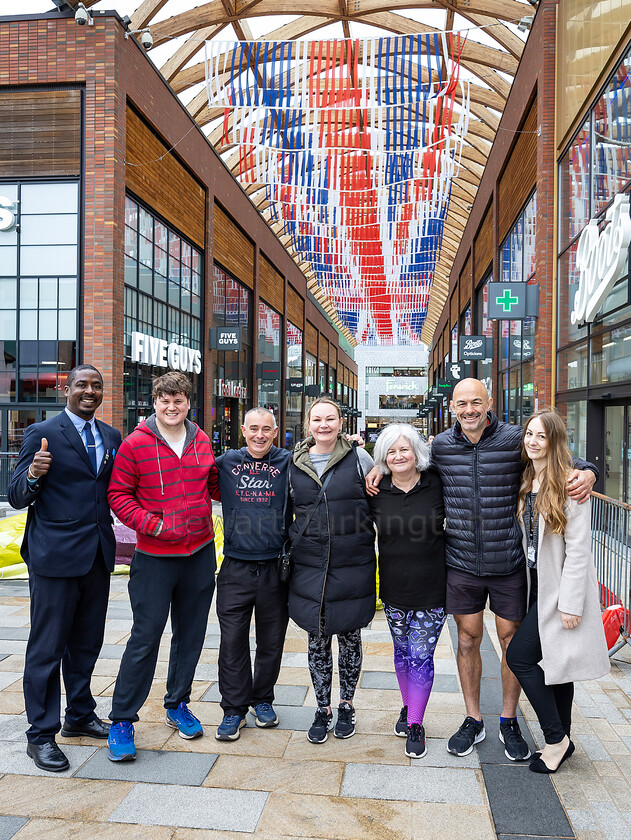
<point x="611" y="549"/>
<point x="8" y="460"/>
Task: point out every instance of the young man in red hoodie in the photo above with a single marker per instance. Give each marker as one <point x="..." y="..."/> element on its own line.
<point x="163" y="479"/>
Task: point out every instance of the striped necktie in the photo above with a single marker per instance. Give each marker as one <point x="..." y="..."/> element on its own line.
<point x="91" y="444"/>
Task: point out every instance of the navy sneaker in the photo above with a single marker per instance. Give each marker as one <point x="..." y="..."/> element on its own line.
<point x="265" y="715"/>
<point x="120" y="741"/>
<point x="471" y="732"/>
<point x="183" y="719"/>
<point x="415" y="745"/>
<point x="229" y="728"/>
<point x="345" y="725"/>
<point x="515" y="747"/>
<point x="401" y="726"/>
<point x="321" y="726"/>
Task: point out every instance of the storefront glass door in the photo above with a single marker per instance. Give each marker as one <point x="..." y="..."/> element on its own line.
<point x="618" y="452"/>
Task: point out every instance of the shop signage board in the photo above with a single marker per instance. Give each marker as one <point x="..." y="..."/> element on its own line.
<point x="8" y="214"/>
<point x="455" y="372"/>
<point x="296" y="385"/>
<point x="521" y="348"/>
<point x="512" y="301"/>
<point x="268" y="371"/>
<point x="148" y="350"/>
<point x="475" y="348"/>
<point x="313" y="390"/>
<point x="228" y="388"/>
<point x="225" y="338"/>
<point x="601" y="259"/>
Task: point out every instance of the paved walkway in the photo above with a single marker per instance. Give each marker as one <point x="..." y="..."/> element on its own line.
<point x="274" y="785"/>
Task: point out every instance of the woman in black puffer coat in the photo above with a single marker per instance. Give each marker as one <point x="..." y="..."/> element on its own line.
<point x="332" y="585"/>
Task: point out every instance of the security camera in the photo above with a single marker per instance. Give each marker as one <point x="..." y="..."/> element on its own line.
<point x="146" y="39"/>
<point x="83" y="16"/>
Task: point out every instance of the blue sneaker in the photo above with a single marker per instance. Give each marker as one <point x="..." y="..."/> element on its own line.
<point x="265" y="715"/>
<point x="228" y="729"/>
<point x="120" y="741"/>
<point x="183" y="719"/>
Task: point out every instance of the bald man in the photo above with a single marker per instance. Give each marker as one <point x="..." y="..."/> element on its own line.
<point x="479" y="461"/>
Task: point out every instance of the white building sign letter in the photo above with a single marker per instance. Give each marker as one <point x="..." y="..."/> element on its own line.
<point x="155" y="351"/>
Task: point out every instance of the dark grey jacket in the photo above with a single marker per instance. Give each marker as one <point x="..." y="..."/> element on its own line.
<point x="480" y="486"/>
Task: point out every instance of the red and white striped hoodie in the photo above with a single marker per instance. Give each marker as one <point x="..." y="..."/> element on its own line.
<point x="150" y="485"/>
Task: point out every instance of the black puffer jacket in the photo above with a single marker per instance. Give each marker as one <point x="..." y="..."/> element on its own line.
<point x="480" y="486"/>
<point x="332" y="584"/>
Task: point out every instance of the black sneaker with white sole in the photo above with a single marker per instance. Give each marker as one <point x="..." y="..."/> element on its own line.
<point x="401" y="726"/>
<point x="515" y="747"/>
<point x="321" y="726"/>
<point x="471" y="732"/>
<point x="415" y="744"/>
<point x="345" y="724"/>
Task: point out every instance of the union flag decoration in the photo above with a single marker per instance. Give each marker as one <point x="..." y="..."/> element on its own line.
<point x="357" y="143"/>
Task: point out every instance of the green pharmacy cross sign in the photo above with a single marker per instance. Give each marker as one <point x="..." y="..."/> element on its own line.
<point x="512" y="301"/>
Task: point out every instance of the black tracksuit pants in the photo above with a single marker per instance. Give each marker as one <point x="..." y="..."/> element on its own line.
<point x="244" y="586"/>
<point x="185" y="586"/>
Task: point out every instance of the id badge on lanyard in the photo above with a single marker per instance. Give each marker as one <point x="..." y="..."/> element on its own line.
<point x="531" y="555"/>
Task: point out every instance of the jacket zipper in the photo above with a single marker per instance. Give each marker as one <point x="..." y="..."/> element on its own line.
<point x="477" y="524"/>
<point x="328" y="560"/>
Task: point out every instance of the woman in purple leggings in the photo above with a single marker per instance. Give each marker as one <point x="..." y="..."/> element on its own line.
<point x="409" y="515"/>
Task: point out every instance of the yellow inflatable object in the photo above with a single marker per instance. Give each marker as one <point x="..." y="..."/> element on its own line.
<point x="12" y="531"/>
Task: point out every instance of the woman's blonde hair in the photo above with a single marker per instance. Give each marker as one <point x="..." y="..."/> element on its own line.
<point x="552" y="494"/>
<point x="319" y="401"/>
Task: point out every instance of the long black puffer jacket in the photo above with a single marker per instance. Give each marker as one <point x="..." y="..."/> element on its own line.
<point x="480" y="487"/>
<point x="332" y="584"/>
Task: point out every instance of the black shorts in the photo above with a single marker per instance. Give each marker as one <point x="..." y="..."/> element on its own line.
<point x="467" y="594"/>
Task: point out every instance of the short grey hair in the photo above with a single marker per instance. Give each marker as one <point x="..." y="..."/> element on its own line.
<point x="259" y="410"/>
<point x="390" y="435"/>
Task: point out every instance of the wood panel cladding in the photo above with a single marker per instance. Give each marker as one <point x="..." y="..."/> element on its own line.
<point x="232" y="248"/>
<point x="295" y="307"/>
<point x="159" y="182"/>
<point x="340" y="373"/>
<point x="483" y="247"/>
<point x="453" y="309"/>
<point x="324" y="349"/>
<point x="311" y="339"/>
<point x="519" y="176"/>
<point x="271" y="284"/>
<point x="40" y="133"/>
<point x="332" y="355"/>
<point x="464" y="286"/>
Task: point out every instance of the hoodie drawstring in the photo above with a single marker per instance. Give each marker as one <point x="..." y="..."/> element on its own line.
<point x="195" y="450"/>
<point x="159" y="467"/>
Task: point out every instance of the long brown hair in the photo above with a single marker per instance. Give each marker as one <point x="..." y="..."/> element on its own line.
<point x="552" y="494"/>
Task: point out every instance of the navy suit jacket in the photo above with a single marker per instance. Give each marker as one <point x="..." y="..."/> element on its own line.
<point x="68" y="516"/>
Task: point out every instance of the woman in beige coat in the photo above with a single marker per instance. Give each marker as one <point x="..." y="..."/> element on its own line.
<point x="561" y="640"/>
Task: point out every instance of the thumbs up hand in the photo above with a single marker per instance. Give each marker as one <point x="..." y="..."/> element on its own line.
<point x="42" y="461"/>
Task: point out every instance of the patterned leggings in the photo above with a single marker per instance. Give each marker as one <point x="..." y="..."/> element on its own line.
<point x="349" y="662"/>
<point x="415" y="636"/>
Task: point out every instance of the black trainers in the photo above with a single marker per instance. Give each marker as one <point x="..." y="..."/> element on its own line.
<point x="401" y="726"/>
<point x="415" y="744"/>
<point x="345" y="725"/>
<point x="321" y="726"/>
<point x="515" y="747"/>
<point x="471" y="732"/>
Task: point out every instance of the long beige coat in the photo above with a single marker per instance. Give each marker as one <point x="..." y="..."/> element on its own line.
<point x="567" y="583"/>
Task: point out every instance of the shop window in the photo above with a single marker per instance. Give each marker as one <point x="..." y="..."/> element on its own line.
<point x="293" y="408"/>
<point x="406" y="402"/>
<point x="612" y="138"/>
<point x="268" y="350"/>
<point x="572" y="367"/>
<point x="454" y="343"/>
<point x="311" y="368"/>
<point x="610" y="356"/>
<point x="322" y="376"/>
<point x="574" y="179"/>
<point x="574" y="416"/>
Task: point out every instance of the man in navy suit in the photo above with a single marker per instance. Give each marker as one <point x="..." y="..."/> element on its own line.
<point x="62" y="476"/>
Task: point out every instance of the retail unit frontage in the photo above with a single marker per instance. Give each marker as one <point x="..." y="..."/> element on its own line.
<point x="126" y="243"/>
<point x="552" y="211"/>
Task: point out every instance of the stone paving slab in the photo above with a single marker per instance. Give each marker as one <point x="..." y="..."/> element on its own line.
<point x="13" y="759"/>
<point x="207" y="672"/>
<point x="8" y="677"/>
<point x="174" y="805"/>
<point x="524" y="803"/>
<point x="111" y="652"/>
<point x="7" y="632"/>
<point x="408" y="784"/>
<point x="153" y="766"/>
<point x="211" y="642"/>
<point x="9" y="826"/>
<point x="13" y="727"/>
<point x="294" y="660"/>
<point x="381" y="679"/>
<point x="4" y="656"/>
<point x="284" y="695"/>
<point x="7" y="609"/>
<point x="8" y="646"/>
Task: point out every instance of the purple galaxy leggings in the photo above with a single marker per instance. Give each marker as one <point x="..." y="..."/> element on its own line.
<point x="415" y="635"/>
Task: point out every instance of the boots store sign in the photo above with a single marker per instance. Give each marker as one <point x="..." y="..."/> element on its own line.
<point x="156" y="351"/>
<point x="601" y="259"/>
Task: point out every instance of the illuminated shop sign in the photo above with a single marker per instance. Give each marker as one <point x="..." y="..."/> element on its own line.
<point x="148" y="350"/>
<point x="231" y="389"/>
<point x="401" y="385"/>
<point x="8" y="216"/>
<point x="601" y="259"/>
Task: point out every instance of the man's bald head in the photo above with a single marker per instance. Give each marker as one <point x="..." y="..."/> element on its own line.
<point x="470" y="403"/>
